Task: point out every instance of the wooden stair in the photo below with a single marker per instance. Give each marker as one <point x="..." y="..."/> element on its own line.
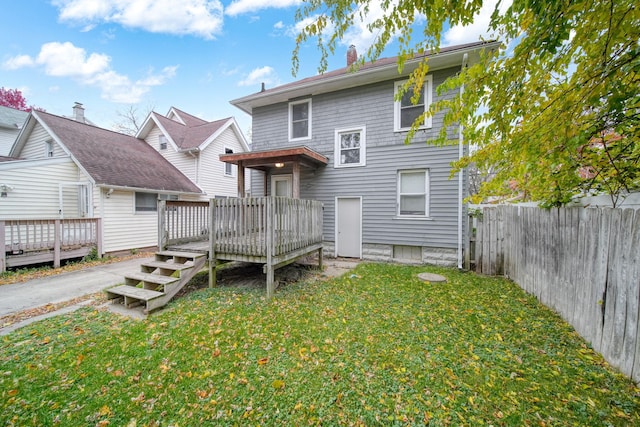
<point x="158" y="281"/>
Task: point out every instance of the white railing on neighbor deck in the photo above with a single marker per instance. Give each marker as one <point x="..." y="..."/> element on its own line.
<point x="33" y="241"/>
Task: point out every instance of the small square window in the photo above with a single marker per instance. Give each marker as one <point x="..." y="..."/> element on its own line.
<point x="146" y="202"/>
<point x="162" y="142"/>
<point x="406" y="112"/>
<point x="413" y="193"/>
<point x="350" y="148"/>
<point x="300" y="120"/>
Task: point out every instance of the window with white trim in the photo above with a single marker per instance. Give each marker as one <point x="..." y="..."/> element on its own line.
<point x="48" y="149"/>
<point x="350" y="147"/>
<point x="300" y="120"/>
<point x="162" y="142"/>
<point x="406" y="112"/>
<point x="413" y="193"/>
<point x="228" y="167"/>
<point x="146" y="202"/>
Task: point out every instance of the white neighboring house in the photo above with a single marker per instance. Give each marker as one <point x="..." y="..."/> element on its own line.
<point x="67" y="168"/>
<point x="193" y="145"/>
<point x="11" y="121"/>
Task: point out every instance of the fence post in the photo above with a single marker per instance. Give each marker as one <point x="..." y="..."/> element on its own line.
<point x="57" y="243"/>
<point x="269" y="236"/>
<point x="99" y="237"/>
<point x="3" y="249"/>
<point x="162" y="206"/>
<point x="212" y="243"/>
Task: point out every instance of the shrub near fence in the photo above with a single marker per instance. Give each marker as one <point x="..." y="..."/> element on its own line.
<point x="582" y="262"/>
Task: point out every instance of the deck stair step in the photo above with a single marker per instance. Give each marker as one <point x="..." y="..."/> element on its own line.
<point x="132" y="296"/>
<point x="156" y="283"/>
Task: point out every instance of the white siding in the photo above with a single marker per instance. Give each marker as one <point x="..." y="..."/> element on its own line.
<point x="123" y="228"/>
<point x="36" y="189"/>
<point x="7" y="138"/>
<point x="34" y="148"/>
<point x="184" y="162"/>
<point x="212" y="178"/>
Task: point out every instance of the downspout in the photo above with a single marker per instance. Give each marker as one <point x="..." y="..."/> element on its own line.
<point x="461" y="173"/>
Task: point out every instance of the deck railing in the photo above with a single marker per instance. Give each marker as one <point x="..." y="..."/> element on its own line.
<point x="249" y="226"/>
<point x="32" y="241"/>
<point x="181" y="222"/>
<point x="243" y="225"/>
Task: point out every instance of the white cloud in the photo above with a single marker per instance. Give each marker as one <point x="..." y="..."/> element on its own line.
<point x="238" y="7"/>
<point x="266" y="75"/>
<point x="278" y="25"/>
<point x="66" y="60"/>
<point x="202" y="18"/>
<point x="479" y="28"/>
<point x="18" y="62"/>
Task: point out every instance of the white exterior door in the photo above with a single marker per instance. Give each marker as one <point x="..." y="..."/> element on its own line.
<point x="349" y="227"/>
<point x="281" y="185"/>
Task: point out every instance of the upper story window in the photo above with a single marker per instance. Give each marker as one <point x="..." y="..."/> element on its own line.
<point x="162" y="142"/>
<point x="413" y="193"/>
<point x="350" y="148"/>
<point x="300" y="120"/>
<point x="146" y="202"/>
<point x="406" y="112"/>
<point x="48" y="149"/>
<point x="228" y="167"/>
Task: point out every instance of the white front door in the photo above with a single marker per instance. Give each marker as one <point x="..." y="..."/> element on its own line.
<point x="349" y="227"/>
<point x="281" y="185"/>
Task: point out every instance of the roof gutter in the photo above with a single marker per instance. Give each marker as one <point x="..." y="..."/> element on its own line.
<point x="144" y="190"/>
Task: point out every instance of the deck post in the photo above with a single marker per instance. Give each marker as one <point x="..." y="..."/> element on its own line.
<point x="269" y="246"/>
<point x="296" y="180"/>
<point x="162" y="208"/>
<point x="99" y="237"/>
<point x="320" y="266"/>
<point x="241" y="180"/>
<point x="3" y="250"/>
<point x="212" y="243"/>
<point x="57" y="243"/>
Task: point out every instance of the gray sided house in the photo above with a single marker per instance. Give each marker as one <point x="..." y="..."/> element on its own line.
<point x="339" y="138"/>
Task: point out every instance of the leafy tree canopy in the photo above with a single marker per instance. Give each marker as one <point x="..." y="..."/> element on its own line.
<point x="553" y="114"/>
<point x="13" y="98"/>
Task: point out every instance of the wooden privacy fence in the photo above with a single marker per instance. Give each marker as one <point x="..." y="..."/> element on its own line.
<point x="582" y="262"/>
<point x="33" y="241"/>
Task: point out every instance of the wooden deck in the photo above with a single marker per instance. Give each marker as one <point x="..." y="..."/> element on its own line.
<point x="33" y="241"/>
<point x="273" y="231"/>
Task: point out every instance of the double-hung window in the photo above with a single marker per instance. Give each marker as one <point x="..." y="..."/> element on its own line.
<point x="406" y="112"/>
<point x="48" y="149"/>
<point x="413" y="193"/>
<point x="350" y="148"/>
<point x="228" y="167"/>
<point x="300" y="120"/>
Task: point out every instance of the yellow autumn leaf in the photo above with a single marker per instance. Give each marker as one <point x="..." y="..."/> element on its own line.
<point x="104" y="411"/>
<point x="263" y="361"/>
<point x="278" y="384"/>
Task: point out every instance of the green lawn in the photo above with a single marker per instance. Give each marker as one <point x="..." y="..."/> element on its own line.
<point x="375" y="347"/>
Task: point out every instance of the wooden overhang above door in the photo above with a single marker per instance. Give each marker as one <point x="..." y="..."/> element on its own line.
<point x="267" y="159"/>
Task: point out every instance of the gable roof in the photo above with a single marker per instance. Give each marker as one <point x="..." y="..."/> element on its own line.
<point x="111" y="158"/>
<point x="370" y="72"/>
<point x="11" y="118"/>
<point x="187" y="132"/>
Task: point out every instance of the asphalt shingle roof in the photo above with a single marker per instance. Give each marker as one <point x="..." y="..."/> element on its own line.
<point x="194" y="133"/>
<point x="112" y="158"/>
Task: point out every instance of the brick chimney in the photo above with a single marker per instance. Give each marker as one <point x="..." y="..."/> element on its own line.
<point x="352" y="55"/>
<point x="78" y="112"/>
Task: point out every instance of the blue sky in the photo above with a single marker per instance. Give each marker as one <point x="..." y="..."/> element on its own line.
<point x="195" y="55"/>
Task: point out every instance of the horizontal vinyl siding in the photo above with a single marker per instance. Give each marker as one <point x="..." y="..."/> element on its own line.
<point x="123" y="229"/>
<point x="371" y="106"/>
<point x="34" y="148"/>
<point x="35" y="191"/>
<point x="184" y="162"/>
<point x="7" y="138"/>
<point x="212" y="178"/>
